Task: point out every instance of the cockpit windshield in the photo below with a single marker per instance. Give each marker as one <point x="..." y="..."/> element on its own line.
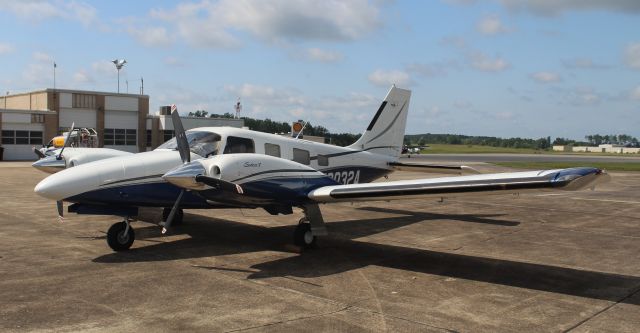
<point x="202" y="143"/>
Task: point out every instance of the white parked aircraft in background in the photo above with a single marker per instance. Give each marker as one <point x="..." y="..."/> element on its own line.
<point x="222" y="167"/>
<point x="67" y="156"/>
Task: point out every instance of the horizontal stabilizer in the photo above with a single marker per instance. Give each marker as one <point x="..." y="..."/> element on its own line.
<point x="499" y="183"/>
<point x="434" y="168"/>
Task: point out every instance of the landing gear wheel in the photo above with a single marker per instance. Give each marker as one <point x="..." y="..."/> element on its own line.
<point x="303" y="236"/>
<point x="177" y="220"/>
<point x="118" y="239"/>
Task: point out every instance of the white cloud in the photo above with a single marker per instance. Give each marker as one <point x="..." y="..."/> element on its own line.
<point x="583" y="96"/>
<point x="82" y="77"/>
<point x="320" y="55"/>
<point x="386" y="78"/>
<point x="105" y="68"/>
<point x="300" y="19"/>
<point x="174" y="62"/>
<point x="215" y="24"/>
<point x="491" y="25"/>
<point x="151" y="36"/>
<point x="42" y="57"/>
<point x="553" y="7"/>
<point x="196" y="24"/>
<point x="6" y="48"/>
<point x="266" y="95"/>
<point x="482" y="62"/>
<point x="546" y="77"/>
<point x="297" y="112"/>
<point x="505" y="115"/>
<point x="635" y="94"/>
<point x="349" y="112"/>
<point x="40" y="71"/>
<point x="433" y="69"/>
<point x="462" y="105"/>
<point x="39" y="10"/>
<point x="632" y="55"/>
<point x="583" y="63"/>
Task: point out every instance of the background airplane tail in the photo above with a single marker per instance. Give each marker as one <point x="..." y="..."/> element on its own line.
<point x="385" y="133"/>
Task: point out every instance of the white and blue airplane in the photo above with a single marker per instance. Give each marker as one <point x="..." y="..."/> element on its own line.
<point x="223" y="167"/>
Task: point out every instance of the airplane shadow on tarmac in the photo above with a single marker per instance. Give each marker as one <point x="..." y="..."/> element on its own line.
<point x="340" y="252"/>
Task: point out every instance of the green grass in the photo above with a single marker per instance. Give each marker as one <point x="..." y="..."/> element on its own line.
<point x="609" y="166"/>
<point x="474" y="149"/>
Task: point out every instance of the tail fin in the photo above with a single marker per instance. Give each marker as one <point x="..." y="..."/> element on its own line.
<point x="385" y="133"/>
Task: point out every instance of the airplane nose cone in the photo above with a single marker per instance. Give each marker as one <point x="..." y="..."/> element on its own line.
<point x="185" y="176"/>
<point x="48" y="188"/>
<point x="49" y="164"/>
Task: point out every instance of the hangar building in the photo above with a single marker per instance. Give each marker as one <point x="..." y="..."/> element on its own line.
<point x="122" y="120"/>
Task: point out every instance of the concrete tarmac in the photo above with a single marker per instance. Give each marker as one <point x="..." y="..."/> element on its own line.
<point x="554" y="262"/>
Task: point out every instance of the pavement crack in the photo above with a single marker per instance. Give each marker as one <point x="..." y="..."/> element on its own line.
<point x="344" y="308"/>
<point x="624" y="298"/>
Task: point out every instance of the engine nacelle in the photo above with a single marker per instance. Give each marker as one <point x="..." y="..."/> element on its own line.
<point x="243" y="168"/>
<point x="250" y="180"/>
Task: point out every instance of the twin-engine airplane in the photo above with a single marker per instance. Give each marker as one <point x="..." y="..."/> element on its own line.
<point x="223" y="167"/>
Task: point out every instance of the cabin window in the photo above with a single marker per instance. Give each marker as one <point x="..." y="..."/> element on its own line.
<point x="203" y="143"/>
<point x="323" y="160"/>
<point x="301" y="156"/>
<point x="236" y="145"/>
<point x="271" y="149"/>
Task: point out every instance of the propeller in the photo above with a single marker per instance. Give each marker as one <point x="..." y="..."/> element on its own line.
<point x="185" y="155"/>
<point x="220" y="184"/>
<point x="39" y="153"/>
<point x="67" y="142"/>
<point x="60" y="210"/>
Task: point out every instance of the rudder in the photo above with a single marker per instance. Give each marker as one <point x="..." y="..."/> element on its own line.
<point x="385" y="133"/>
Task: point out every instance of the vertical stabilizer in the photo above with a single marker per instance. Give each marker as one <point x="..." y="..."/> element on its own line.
<point x="385" y="133"/>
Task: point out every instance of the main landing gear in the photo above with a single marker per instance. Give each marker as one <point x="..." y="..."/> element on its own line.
<point x="309" y="227"/>
<point x="120" y="236"/>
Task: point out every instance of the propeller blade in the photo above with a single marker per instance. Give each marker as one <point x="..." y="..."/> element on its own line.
<point x="181" y="137"/>
<point x="220" y="184"/>
<point x="175" y="208"/>
<point x="39" y="153"/>
<point x="67" y="142"/>
<point x="60" y="208"/>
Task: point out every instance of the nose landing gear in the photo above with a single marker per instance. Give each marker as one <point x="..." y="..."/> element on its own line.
<point x="120" y="236"/>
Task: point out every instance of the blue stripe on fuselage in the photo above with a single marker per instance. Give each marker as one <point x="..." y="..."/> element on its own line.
<point x="157" y="194"/>
<point x="277" y="190"/>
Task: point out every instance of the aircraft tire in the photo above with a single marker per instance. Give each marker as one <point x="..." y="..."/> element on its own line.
<point x="117" y="239"/>
<point x="303" y="237"/>
<point x="177" y="220"/>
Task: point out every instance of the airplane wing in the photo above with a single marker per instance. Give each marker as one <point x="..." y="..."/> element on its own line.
<point x="562" y="179"/>
<point x="434" y="168"/>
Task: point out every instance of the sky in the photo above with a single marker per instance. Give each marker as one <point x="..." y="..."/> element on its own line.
<point x="506" y="68"/>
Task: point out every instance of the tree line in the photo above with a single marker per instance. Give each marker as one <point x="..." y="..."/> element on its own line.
<point x="345" y="139"/>
<point x="457" y="139"/>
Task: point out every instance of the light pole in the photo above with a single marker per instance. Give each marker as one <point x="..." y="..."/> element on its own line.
<point x="119" y="63"/>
